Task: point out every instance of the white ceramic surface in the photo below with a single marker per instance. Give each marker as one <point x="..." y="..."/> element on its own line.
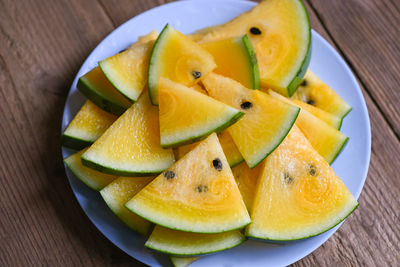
<point x="187" y="16"/>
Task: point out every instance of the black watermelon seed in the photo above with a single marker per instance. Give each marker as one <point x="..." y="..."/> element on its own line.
<point x="169" y="174"/>
<point x="310" y="102"/>
<point x="217" y="164"/>
<point x="122" y="51"/>
<point x="304" y="83"/>
<point x="288" y="178"/>
<point x="255" y="31"/>
<point x="246" y="105"/>
<point x="202" y="188"/>
<point x="312" y="170"/>
<point x="196" y="74"/>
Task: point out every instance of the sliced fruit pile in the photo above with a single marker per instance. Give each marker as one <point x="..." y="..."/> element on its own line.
<point x="218" y="132"/>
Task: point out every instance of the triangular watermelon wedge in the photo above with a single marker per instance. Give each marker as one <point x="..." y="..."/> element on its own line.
<point x="266" y="123"/>
<point x="187" y="115"/>
<point x="131" y="146"/>
<point x="197" y="194"/>
<point x="298" y="194"/>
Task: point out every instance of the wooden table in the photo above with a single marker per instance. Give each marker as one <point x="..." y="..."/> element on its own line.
<point x="43" y="44"/>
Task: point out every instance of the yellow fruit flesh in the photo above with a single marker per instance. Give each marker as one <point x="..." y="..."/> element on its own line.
<point x="187" y="115"/>
<point x="189" y="244"/>
<point x="326" y="117"/>
<point x="94" y="179"/>
<point x="282" y="45"/>
<point x="118" y="193"/>
<point x="201" y="198"/>
<point x="89" y="123"/>
<point x="96" y="79"/>
<point x="265" y="124"/>
<point x="298" y="194"/>
<point x="232" y="59"/>
<point x="176" y="57"/>
<point x="127" y="70"/>
<point x="315" y="91"/>
<point x="325" y="139"/>
<point x="246" y="180"/>
<point x="231" y="152"/>
<point x="131" y="146"/>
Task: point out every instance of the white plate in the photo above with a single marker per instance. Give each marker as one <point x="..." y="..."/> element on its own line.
<point x="187" y="16"/>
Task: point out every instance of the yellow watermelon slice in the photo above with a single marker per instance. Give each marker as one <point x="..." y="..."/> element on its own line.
<point x="266" y="123"/>
<point x="328" y="141"/>
<point x="281" y="35"/>
<point x="231" y="152"/>
<point x="131" y="146"/>
<point x="180" y="243"/>
<point x="117" y="193"/>
<point x="246" y="180"/>
<point x="88" y="124"/>
<point x="197" y="194"/>
<point x="235" y="58"/>
<point x="127" y="70"/>
<point x="187" y="116"/>
<point x="298" y="194"/>
<point x="95" y="86"/>
<point x="94" y="179"/>
<point x="176" y="57"/>
<point x="317" y="93"/>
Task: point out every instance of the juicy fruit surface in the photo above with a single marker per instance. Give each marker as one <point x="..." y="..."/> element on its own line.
<point x="266" y="123"/>
<point x="187" y="115"/>
<point x="176" y="57"/>
<point x="297" y="180"/>
<point x="231" y="152"/>
<point x="321" y="114"/>
<point x="94" y="179"/>
<point x="236" y="59"/>
<point x="246" y="180"/>
<point x="95" y="86"/>
<point x="188" y="244"/>
<point x="183" y="261"/>
<point x="127" y="70"/>
<point x="87" y="125"/>
<point x="325" y="139"/>
<point x="281" y="36"/>
<point x="131" y="146"/>
<point x="314" y="91"/>
<point x="117" y="193"/>
<point x="199" y="190"/>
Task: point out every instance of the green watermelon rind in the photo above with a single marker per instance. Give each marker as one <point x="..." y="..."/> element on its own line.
<point x="242" y="240"/>
<point x="75" y="142"/>
<point x="308" y="236"/>
<point x="80" y="177"/>
<point x="181" y="229"/>
<point x="345" y="141"/>
<point x="237" y="116"/>
<point x="111" y="170"/>
<point x="283" y="136"/>
<point x="176" y="264"/>
<point x="128" y="224"/>
<point x="88" y="90"/>
<point x="246" y="42"/>
<point x="151" y="85"/>
<point x="297" y="80"/>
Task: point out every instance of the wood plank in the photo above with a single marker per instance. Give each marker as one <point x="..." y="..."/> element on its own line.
<point x="43" y="43"/>
<point x="367" y="31"/>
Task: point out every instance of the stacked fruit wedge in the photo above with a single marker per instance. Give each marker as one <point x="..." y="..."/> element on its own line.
<point x="204" y="139"/>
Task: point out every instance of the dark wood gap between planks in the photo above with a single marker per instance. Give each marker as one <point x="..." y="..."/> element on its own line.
<point x="352" y="67"/>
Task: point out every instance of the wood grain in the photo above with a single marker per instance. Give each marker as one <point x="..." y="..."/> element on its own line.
<point x="42" y="45"/>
